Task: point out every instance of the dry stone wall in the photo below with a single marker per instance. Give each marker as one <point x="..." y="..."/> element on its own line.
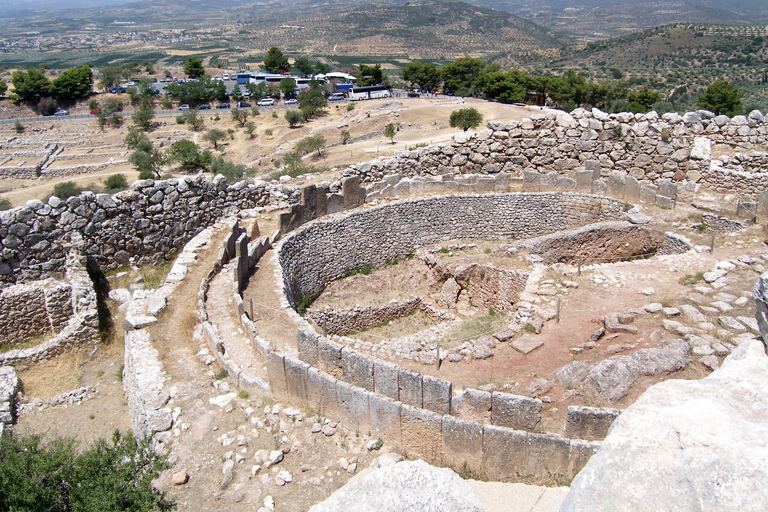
<point x="648" y="148"/>
<point x="326" y="249"/>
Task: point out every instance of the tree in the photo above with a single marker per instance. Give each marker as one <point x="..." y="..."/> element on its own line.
<point x="459" y="76"/>
<point x="303" y="65"/>
<point x="30" y="85"/>
<point x="47" y="106"/>
<point x="390" y="131"/>
<point x="147" y="159"/>
<point x="370" y="75"/>
<point x="310" y="144"/>
<point x="66" y="189"/>
<point x="240" y="116"/>
<point x="143" y="117"/>
<point x="214" y="135"/>
<point x="721" y="98"/>
<point x="312" y="102"/>
<point x="115" y="183"/>
<point x="322" y="67"/>
<point x="57" y="476"/>
<point x="109" y="113"/>
<point x="194" y="121"/>
<point x="3" y="88"/>
<point x="288" y="87"/>
<point x="192" y="93"/>
<point x="73" y="84"/>
<point x="134" y="136"/>
<point x="294" y="118"/>
<point x="231" y="171"/>
<point x="275" y="61"/>
<point x="422" y="74"/>
<point x="345" y="136"/>
<point x="220" y="91"/>
<point x="188" y="155"/>
<point x="466" y="118"/>
<point x="505" y="87"/>
<point x="642" y="100"/>
<point x="250" y="129"/>
<point x="193" y="68"/>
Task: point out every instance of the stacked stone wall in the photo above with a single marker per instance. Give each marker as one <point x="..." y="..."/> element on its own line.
<point x="326" y="249"/>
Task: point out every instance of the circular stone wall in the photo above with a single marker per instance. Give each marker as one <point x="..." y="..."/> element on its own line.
<point x="325" y="249"/>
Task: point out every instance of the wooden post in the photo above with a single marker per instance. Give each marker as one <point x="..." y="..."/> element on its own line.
<point x="712" y="245"/>
<point x="251" y="309"/>
<point x="738" y="208"/>
<point x="437" y="363"/>
<point x="674" y="202"/>
<point x="558" y="310"/>
<point x="325" y="333"/>
<point x="579" y="264"/>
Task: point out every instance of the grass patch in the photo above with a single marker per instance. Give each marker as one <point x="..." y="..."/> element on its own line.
<point x="120" y="373"/>
<point x="691" y="279"/>
<point x="546" y="480"/>
<point x="467" y="473"/>
<point x="242" y="394"/>
<point x="221" y="374"/>
<point x="303" y="304"/>
<point x="362" y="269"/>
<point x="530" y="328"/>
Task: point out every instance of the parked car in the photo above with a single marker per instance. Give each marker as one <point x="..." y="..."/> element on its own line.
<point x="184" y="107"/>
<point x="243" y="104"/>
<point x="96" y="111"/>
<point x="337" y="96"/>
<point x="292" y="101"/>
<point x="204" y="106"/>
<point x="222" y="105"/>
<point x="225" y="76"/>
<point x="265" y="102"/>
<point x="61" y="113"/>
<point x="413" y="94"/>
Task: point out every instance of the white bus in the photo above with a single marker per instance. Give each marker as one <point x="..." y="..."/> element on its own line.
<point x="371" y="92"/>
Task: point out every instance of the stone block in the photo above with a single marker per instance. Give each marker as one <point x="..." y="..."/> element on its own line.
<point x="631" y="190"/>
<point x="762" y="208"/>
<point x="599" y="187"/>
<point x="504" y="452"/>
<point x="436" y="394"/>
<point x="664" y="202"/>
<point x="321" y="389"/>
<point x="335" y="203"/>
<point x="549" y="181"/>
<point x="667" y="189"/>
<point x="354" y="194"/>
<point x="531" y="181"/>
<point x="648" y="194"/>
<point x="462" y="443"/>
<point x="547" y="454"/>
<point x="306" y="343"/>
<point x="593" y="165"/>
<point x="580" y="453"/>
<point x="385" y="418"/>
<point x="514" y="411"/>
<point x="589" y="423"/>
<point x="616" y="183"/>
<point x="296" y="378"/>
<point x="385" y="379"/>
<point x="527" y="343"/>
<point x="321" y="197"/>
<point x="422" y="433"/>
<point x="308" y="203"/>
<point x="584" y="180"/>
<point x="565" y="184"/>
<point x="473" y="405"/>
<point x="357" y="369"/>
<point x="410" y="390"/>
<point x="276" y="375"/>
<point x="353" y="406"/>
<point x="329" y="357"/>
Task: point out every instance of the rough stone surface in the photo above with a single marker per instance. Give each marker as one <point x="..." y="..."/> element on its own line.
<point x="686" y="445"/>
<point x="761" y="301"/>
<point x="404" y="486"/>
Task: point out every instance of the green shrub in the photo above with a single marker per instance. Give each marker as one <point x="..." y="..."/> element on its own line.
<point x="5" y="204"/>
<point x="115" y="183"/>
<point x="66" y="190"/>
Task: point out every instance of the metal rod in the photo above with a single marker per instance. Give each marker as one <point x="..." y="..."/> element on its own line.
<point x="738" y="208"/>
<point x="579" y="264"/>
<point x="558" y="310"/>
<point x="251" y="309"/>
<point x="712" y="245"/>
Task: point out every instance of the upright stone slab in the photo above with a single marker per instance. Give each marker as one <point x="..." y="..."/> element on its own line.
<point x="593" y="165"/>
<point x="549" y="181"/>
<point x="385" y="379"/>
<point x="385" y="418"/>
<point x="357" y="369"/>
<point x="308" y="203"/>
<point x="321" y="389"/>
<point x="504" y="452"/>
<point x="517" y="412"/>
<point x="762" y="208"/>
<point x="296" y="378"/>
<point x="354" y="194"/>
<point x="353" y="406"/>
<point x="584" y="180"/>
<point x="422" y="433"/>
<point x="667" y="189"/>
<point x="599" y="187"/>
<point x="631" y="190"/>
<point x="329" y="357"/>
<point x="589" y="423"/>
<point x="616" y="182"/>
<point x="462" y="443"/>
<point x="322" y="199"/>
<point x="473" y="405"/>
<point x="565" y="184"/>
<point x="648" y="194"/>
<point x="335" y="203"/>
<point x="436" y="394"/>
<point x="761" y="301"/>
<point x="410" y="387"/>
<point x="306" y="343"/>
<point x="276" y="374"/>
<point x="531" y="181"/>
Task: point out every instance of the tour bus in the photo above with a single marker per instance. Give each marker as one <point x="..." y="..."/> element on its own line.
<point x="371" y="92"/>
<point x="269" y="79"/>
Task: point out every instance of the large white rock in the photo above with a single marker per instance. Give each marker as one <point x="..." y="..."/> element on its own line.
<point x="686" y="446"/>
<point x="761" y="301"/>
<point x="412" y="486"/>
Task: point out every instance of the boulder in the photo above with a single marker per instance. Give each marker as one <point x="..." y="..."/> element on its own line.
<point x="761" y="301"/>
<point x="404" y="486"/>
<point x="686" y="445"/>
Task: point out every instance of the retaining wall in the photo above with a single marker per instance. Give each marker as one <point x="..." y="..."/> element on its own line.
<point x="326" y="249"/>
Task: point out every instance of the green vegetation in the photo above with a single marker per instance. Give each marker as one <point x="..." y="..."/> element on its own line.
<point x="362" y="269"/>
<point x="466" y="118"/>
<point x="389" y="132"/>
<point x="721" y="98"/>
<point x="275" y="61"/>
<point x="311" y="143"/>
<point x="294" y="118"/>
<point x="115" y="183"/>
<point x="231" y="171"/>
<point x="188" y="155"/>
<point x="54" y="476"/>
<point x="214" y="135"/>
<point x="194" y="67"/>
<point x="303" y="304"/>
<point x="18" y="127"/>
<point x="66" y="189"/>
<point x="5" y="204"/>
<point x="691" y="279"/>
<point x="221" y="374"/>
<point x="147" y="159"/>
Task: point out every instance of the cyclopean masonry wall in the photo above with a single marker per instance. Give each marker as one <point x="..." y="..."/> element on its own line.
<point x="648" y="148"/>
<point x="68" y="309"/>
<point x="326" y="249"/>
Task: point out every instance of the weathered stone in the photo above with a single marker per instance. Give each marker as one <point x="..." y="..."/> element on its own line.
<point x="527" y="343"/>
<point x="517" y="412"/>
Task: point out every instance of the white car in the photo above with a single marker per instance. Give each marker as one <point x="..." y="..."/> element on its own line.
<point x="225" y="76"/>
<point x="292" y="101"/>
<point x="266" y="102"/>
<point x="337" y="96"/>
